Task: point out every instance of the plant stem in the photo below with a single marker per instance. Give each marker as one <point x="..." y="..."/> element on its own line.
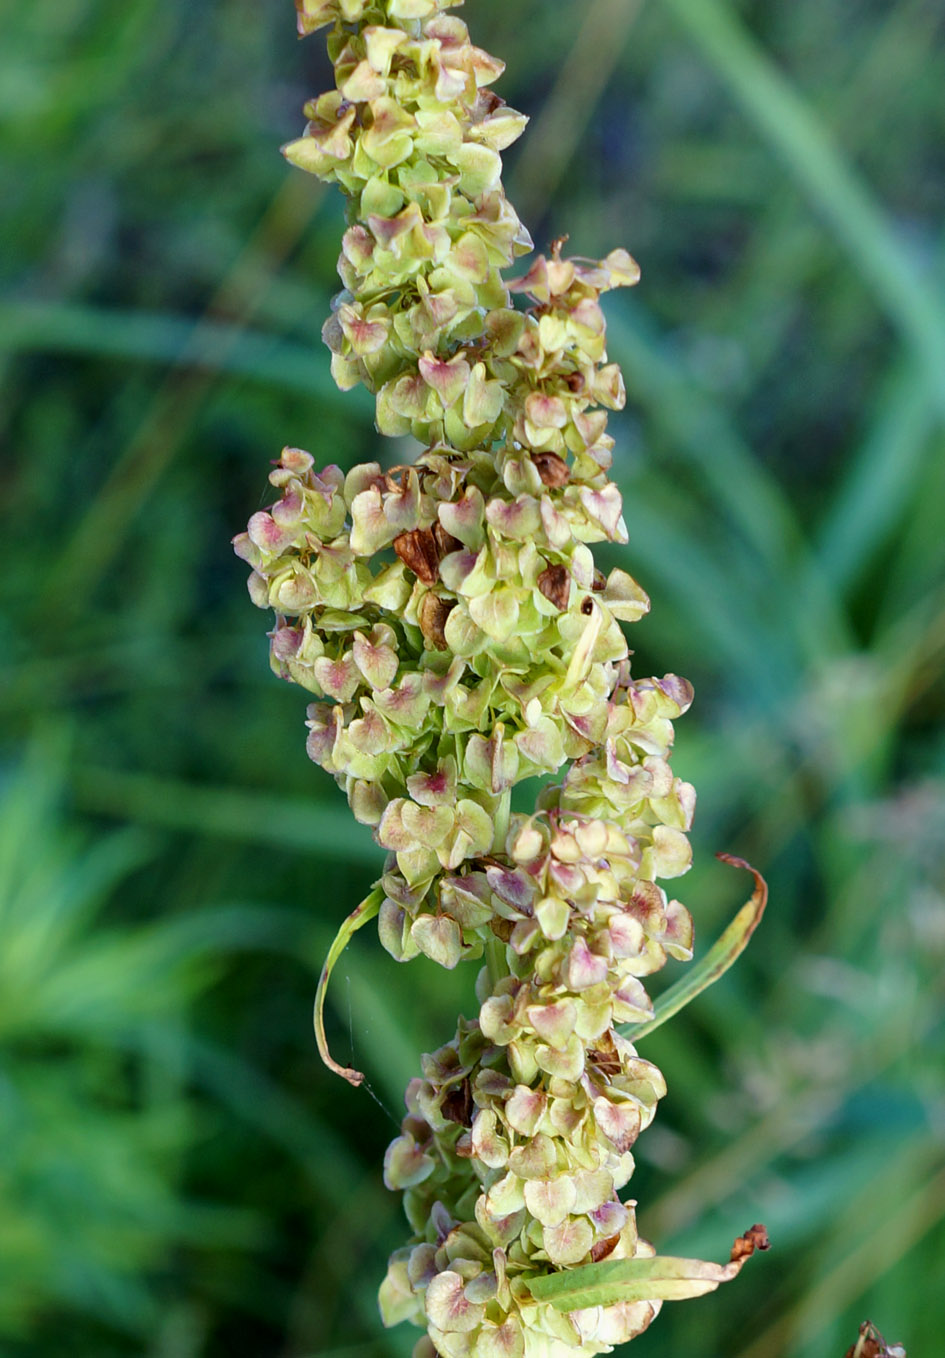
<point x="502" y="816"/>
<point x="496" y="961"/>
<point x="496" y="957"/>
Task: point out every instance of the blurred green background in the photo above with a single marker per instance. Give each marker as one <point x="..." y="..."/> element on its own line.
<point x="179" y="1178"/>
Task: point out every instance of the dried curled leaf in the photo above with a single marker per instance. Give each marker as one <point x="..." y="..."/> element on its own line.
<point x="744" y="1246"/>
<point x="658" y="1278"/>
<point x="365" y="912"/>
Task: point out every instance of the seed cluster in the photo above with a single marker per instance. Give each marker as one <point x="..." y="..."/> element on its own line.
<point x="457" y="636"/>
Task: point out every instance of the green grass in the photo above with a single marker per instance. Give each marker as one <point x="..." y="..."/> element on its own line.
<point x="180" y="1179"/>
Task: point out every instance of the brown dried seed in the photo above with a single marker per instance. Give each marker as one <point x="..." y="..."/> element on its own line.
<point x="599" y="582"/>
<point x="418" y="551"/>
<point x="502" y="928"/>
<point x="552" y="469"/>
<point x="555" y="584"/>
<point x="445" y="542"/>
<point x="587" y="607"/>
<point x="458" y="1104"/>
<point x="433" y="614"/>
<point x="605" y="1056"/>
<point x="603" y="1248"/>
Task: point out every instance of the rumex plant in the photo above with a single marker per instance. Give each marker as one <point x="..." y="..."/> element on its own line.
<point x="450" y="620"/>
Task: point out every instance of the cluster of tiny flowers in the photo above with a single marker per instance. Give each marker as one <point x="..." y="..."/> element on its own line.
<point x="520" y="1133"/>
<point x="457" y="637"/>
<point x="506" y="1180"/>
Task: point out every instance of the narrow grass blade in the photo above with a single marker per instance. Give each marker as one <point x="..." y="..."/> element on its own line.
<point x="254" y="817"/>
<point x="559" y="128"/>
<point x="781" y="115"/>
<point x="264" y="1104"/>
<point x="164" y="338"/>
<point x="875" y="1250"/>
<point x="880" y="482"/>
<point x="744" y="491"/>
<point x="727" y="948"/>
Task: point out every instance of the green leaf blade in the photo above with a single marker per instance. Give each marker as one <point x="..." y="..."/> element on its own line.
<point x="727" y="948"/>
<point x="654" y="1278"/>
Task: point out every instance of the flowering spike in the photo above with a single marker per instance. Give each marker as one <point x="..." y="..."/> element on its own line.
<point x="457" y="637"/>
